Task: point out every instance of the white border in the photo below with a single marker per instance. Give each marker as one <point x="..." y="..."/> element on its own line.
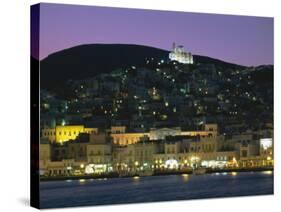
<point x="14" y="87"/>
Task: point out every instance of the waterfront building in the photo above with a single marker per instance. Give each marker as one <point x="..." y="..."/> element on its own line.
<point x="60" y="168"/>
<point x="161" y="133"/>
<point x="99" y="154"/>
<point x="128" y="153"/>
<point x="121" y="137"/>
<point x="266" y="148"/>
<point x="44" y="155"/>
<point x="77" y="149"/>
<point x="141" y="155"/>
<point x="121" y="159"/>
<point x="61" y="134"/>
<point x="117" y="129"/>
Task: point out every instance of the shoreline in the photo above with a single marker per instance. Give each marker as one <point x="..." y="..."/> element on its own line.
<point x="156" y="173"/>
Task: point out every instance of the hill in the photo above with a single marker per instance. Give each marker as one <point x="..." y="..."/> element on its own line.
<point x="89" y="60"/>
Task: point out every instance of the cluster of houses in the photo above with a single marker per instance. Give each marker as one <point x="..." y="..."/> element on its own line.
<point x="76" y="150"/>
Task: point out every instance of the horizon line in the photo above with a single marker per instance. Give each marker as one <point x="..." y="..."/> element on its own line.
<point x="133" y="44"/>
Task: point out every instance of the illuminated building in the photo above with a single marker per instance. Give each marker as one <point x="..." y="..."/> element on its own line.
<point x="117" y="129"/>
<point x="61" y="134"/>
<point x="99" y="154"/>
<point x="128" y="153"/>
<point x="266" y="151"/>
<point x="121" y="137"/>
<point x="142" y="155"/>
<point x="161" y="133"/>
<point x="44" y="155"/>
<point x="59" y="168"/>
<point x="179" y="54"/>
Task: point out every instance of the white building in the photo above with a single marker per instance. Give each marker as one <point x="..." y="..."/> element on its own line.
<point x="179" y="54"/>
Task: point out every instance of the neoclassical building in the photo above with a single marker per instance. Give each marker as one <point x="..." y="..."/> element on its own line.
<point x="62" y="134"/>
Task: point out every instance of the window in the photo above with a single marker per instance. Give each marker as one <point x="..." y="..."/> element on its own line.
<point x="244" y="153"/>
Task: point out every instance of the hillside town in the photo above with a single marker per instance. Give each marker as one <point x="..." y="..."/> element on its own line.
<point x="168" y="115"/>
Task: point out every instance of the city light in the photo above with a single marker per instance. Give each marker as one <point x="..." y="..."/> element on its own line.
<point x="63" y="122"/>
<point x="266" y="143"/>
<point x="82" y="181"/>
<point x="171" y="164"/>
<point x="89" y="169"/>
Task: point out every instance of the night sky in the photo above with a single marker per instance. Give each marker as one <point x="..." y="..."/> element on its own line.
<point x="239" y="39"/>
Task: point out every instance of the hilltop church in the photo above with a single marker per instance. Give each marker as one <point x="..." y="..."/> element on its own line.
<point x="179" y="54"/>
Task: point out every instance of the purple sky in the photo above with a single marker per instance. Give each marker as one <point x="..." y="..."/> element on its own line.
<point x="240" y="39"/>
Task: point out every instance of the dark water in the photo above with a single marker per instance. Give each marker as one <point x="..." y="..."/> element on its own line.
<point x="156" y="188"/>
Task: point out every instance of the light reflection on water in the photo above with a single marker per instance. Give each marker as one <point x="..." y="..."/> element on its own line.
<point x="267" y="172"/>
<point x="233" y="173"/>
<point x="154" y="188"/>
<point x="185" y="177"/>
<point x="82" y="181"/>
<point x="136" y="177"/>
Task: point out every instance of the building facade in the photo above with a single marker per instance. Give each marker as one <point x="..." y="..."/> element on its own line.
<point x="61" y="134"/>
